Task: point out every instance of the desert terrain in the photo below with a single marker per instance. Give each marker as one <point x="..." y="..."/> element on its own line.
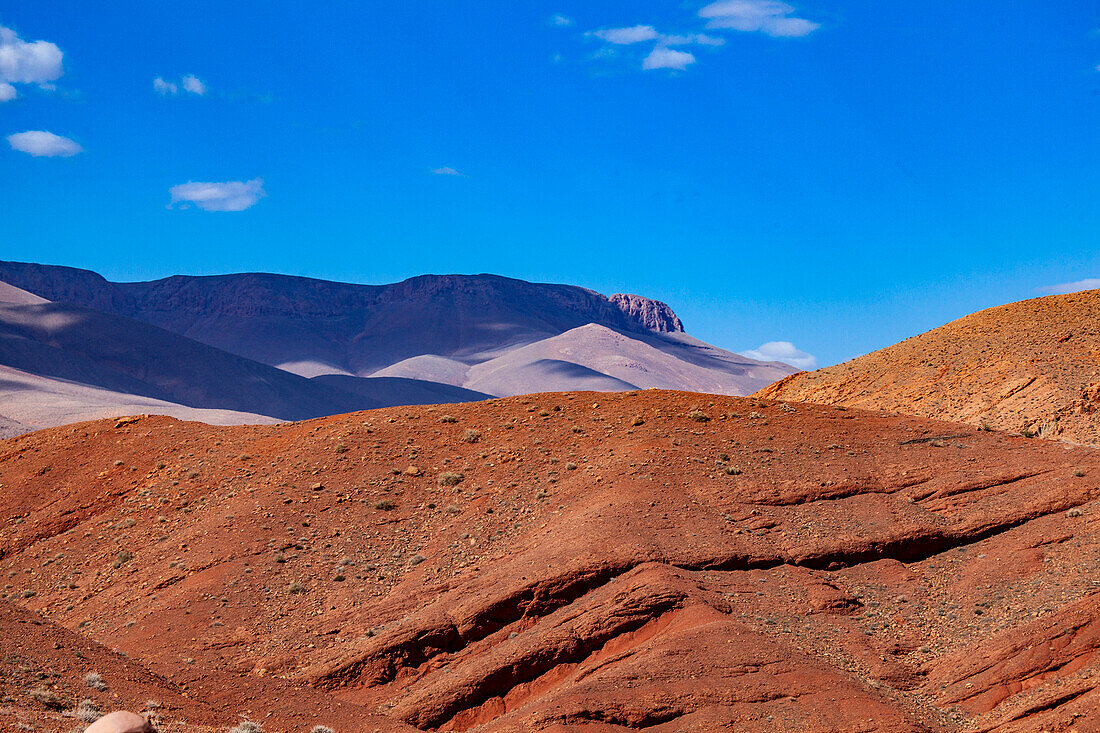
<point x="1031" y="366"/>
<point x="649" y="560"/>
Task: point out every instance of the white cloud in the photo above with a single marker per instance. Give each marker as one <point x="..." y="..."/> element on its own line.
<point x="625" y="36"/>
<point x="447" y="171"/>
<point x="40" y="143"/>
<point x="785" y="352"/>
<point x="562" y="21"/>
<point x="194" y="85"/>
<point x="668" y="58"/>
<point x="227" y="196"/>
<point x="38" y="62"/>
<point x="163" y="87"/>
<point x="189" y="83"/>
<point x="765" y="16"/>
<point x="700" y="39"/>
<point x="1077" y="286"/>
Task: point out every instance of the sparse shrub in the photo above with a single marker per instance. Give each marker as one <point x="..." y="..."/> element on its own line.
<point x="341" y="448"/>
<point x="247" y="726"/>
<point x="322" y="729"/>
<point x="95" y="681"/>
<point x="385" y="505"/>
<point x="698" y="416"/>
<point x="448" y="419"/>
<point x="127" y="523"/>
<point x="1075" y="512"/>
<point x="297" y="588"/>
<point x="193" y="475"/>
<point x="470" y="435"/>
<point x="50" y="699"/>
<point x="87" y="712"/>
<point x="1078" y="472"/>
<point x="450" y="478"/>
<point x="121" y="559"/>
<point x="416" y="560"/>
<point x="119" y="463"/>
<point x="570" y="466"/>
<point x="937" y="443"/>
<point x="280" y="559"/>
<point x="985" y="426"/>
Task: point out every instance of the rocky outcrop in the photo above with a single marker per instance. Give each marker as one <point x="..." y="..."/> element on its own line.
<point x="652" y="315"/>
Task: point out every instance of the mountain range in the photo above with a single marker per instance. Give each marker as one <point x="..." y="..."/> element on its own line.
<point x="261" y="347"/>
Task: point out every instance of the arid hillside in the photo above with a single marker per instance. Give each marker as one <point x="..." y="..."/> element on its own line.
<point x="643" y="560"/>
<point x="1031" y="366"/>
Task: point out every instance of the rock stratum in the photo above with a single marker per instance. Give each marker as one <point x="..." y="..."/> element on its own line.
<point x="572" y="561"/>
<point x="1030" y="366"/>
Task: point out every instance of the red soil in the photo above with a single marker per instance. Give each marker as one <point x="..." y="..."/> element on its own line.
<point x="1032" y="365"/>
<point x="607" y="561"/>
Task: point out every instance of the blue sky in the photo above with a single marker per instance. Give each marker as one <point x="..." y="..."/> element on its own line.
<point x="840" y="175"/>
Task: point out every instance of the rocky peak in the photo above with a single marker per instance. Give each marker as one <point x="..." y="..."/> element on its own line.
<point x="651" y="314"/>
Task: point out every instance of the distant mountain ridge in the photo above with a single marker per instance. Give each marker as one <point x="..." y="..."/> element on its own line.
<point x="312" y="327"/>
<point x="257" y="347"/>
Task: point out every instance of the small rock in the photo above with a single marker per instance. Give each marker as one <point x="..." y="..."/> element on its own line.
<point x="413" y="471"/>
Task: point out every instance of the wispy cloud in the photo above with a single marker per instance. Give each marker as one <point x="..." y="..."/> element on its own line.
<point x="188" y="83"/>
<point x="447" y="171"/>
<point x="667" y="58"/>
<point x="194" y="85"/>
<point x="765" y="16"/>
<point x="785" y="352"/>
<point x="226" y="196"/>
<point x="562" y="21"/>
<point x="626" y="36"/>
<point x="163" y="87"/>
<point x="699" y="39"/>
<point x="42" y="144"/>
<point x="1077" y="286"/>
<point x="22" y="62"/>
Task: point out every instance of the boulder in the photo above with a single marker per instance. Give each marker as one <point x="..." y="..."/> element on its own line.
<point x="121" y="721"/>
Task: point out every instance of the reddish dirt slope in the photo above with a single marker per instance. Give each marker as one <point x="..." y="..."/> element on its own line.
<point x="1032" y="365"/>
<point x="653" y="560"/>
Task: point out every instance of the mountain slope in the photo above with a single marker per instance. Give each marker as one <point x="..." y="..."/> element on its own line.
<point x="623" y="361"/>
<point x="648" y="560"/>
<point x="1032" y="365"/>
